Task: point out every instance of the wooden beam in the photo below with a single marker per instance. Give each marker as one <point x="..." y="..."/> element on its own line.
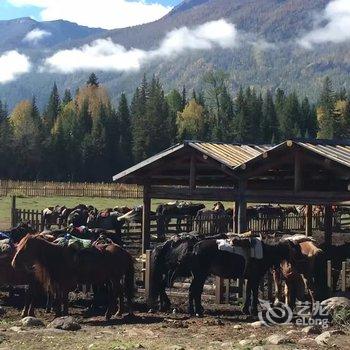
<point x="205" y="193"/>
<point x="146" y="219"/>
<point x="235" y="217"/>
<point x="242" y="207"/>
<point x="308" y="221"/>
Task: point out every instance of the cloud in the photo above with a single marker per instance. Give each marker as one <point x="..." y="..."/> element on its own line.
<point x="108" y="14"/>
<point x="105" y="55"/>
<point x="36" y="35"/>
<point x="13" y="64"/>
<point x="337" y="28"/>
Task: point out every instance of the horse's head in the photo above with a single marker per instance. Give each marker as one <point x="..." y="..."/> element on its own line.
<point x="26" y="253"/>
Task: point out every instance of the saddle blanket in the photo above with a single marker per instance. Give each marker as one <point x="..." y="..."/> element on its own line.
<point x="71" y="241"/>
<point x="299" y="239"/>
<point x="255" y="251"/>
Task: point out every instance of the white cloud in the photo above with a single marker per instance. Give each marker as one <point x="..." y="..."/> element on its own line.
<point x="105" y="55"/>
<point x="337" y="29"/>
<point x="13" y="64"/>
<point x="36" y="35"/>
<point x="107" y="14"/>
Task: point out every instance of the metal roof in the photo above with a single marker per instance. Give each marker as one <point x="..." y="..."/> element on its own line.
<point x="235" y="155"/>
<point x="232" y="155"/>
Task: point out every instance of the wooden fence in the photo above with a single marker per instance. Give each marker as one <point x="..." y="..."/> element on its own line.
<point x="68" y="189"/>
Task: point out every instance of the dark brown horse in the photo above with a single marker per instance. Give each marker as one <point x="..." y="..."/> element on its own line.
<point x="308" y="272"/>
<point x="59" y="269"/>
<point x="10" y="277"/>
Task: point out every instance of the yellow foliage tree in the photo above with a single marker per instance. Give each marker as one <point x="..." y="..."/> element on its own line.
<point x="191" y="122"/>
<point x="22" y="122"/>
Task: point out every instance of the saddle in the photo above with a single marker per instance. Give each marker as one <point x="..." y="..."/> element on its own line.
<point x="6" y="248"/>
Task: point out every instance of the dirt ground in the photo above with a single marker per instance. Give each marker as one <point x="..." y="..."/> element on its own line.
<point x="221" y="328"/>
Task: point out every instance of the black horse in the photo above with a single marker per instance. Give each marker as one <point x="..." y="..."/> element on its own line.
<point x="207" y="260"/>
<point x="171" y="260"/>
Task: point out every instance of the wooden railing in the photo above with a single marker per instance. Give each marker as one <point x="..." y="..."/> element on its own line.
<point x="68" y="189"/>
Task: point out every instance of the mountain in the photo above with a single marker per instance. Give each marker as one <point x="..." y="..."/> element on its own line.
<point x="14" y="32"/>
<point x="268" y="56"/>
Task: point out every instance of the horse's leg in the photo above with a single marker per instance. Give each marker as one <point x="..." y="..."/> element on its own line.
<point x="310" y="286"/>
<point x="48" y="303"/>
<point x="198" y="290"/>
<point x="27" y="297"/>
<point x="277" y="279"/>
<point x="65" y="303"/>
<point x="120" y="295"/>
<point x="247" y="301"/>
<point x="111" y="300"/>
<point x="164" y="300"/>
<point x="255" y="301"/>
<point x="190" y="308"/>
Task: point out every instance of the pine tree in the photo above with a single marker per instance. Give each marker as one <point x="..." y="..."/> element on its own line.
<point x="53" y="108"/>
<point x="125" y="138"/>
<point x="269" y="122"/>
<point x="290" y="118"/>
<point x="67" y="97"/>
<point x="326" y="111"/>
<point x="183" y="98"/>
<point x="93" y="80"/>
<point x="3" y="112"/>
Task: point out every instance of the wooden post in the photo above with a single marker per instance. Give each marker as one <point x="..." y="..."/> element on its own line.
<point x="242" y="207"/>
<point x="242" y="217"/>
<point x="192" y="174"/>
<point x="308" y="221"/>
<point x="146" y="220"/>
<point x="297" y="173"/>
<point x="148" y="274"/>
<point x="235" y="217"/>
<point x="343" y="276"/>
<point x="219" y="288"/>
<point x="13" y="212"/>
<point x="328" y="225"/>
<point x="329" y="277"/>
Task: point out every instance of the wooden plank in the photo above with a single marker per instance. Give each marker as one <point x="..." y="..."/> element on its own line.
<point x="343" y="276"/>
<point x="146" y="216"/>
<point x="297" y="172"/>
<point x="329" y="277"/>
<point x="308" y="221"/>
<point x="219" y="290"/>
<point x="328" y="225"/>
<point x="148" y="275"/>
<point x="192" y="174"/>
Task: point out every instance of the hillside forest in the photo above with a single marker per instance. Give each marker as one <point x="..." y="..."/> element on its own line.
<point x="81" y="136"/>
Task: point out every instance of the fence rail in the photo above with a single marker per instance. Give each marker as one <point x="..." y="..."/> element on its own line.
<point x="68" y="189"/>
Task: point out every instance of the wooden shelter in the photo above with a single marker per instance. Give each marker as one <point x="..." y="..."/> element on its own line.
<point x="293" y="172"/>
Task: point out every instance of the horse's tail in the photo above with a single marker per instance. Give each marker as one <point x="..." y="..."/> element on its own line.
<point x="130" y="280"/>
<point x="320" y="275"/>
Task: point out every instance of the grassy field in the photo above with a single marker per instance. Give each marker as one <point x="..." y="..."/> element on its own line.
<point x="40" y="203"/>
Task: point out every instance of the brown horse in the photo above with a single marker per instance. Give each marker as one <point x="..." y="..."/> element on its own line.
<point x="10" y="277"/>
<point x="308" y="271"/>
<point x="59" y="269"/>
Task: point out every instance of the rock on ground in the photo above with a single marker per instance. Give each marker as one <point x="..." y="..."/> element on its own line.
<point x="32" y="322"/>
<point x="277" y="339"/>
<point x="257" y="324"/>
<point x="335" y="303"/>
<point x="66" y="323"/>
<point x="312" y="330"/>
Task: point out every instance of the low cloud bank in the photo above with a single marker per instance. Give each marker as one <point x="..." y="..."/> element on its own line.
<point x="12" y="65"/>
<point x="105" y="55"/>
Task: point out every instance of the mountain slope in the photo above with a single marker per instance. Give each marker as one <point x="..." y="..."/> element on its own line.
<point x="283" y="64"/>
<point x="14" y="32"/>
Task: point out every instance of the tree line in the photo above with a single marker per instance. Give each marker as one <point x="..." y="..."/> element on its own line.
<point x="82" y="137"/>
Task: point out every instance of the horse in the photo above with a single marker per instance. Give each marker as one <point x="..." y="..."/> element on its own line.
<point x="16" y="233"/>
<point x="106" y="220"/>
<point x="207" y="259"/>
<point x="308" y="271"/>
<point x="169" y="260"/>
<point x="59" y="269"/>
<point x="135" y="215"/>
<point x="10" y="277"/>
<point x="175" y="210"/>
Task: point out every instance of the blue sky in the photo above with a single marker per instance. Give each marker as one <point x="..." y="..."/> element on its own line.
<point x="8" y="11"/>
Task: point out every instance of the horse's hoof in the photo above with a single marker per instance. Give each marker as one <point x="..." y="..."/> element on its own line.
<point x="245" y="311"/>
<point x="151" y="311"/>
<point x="199" y="314"/>
<point x="175" y="311"/>
<point x="119" y="314"/>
